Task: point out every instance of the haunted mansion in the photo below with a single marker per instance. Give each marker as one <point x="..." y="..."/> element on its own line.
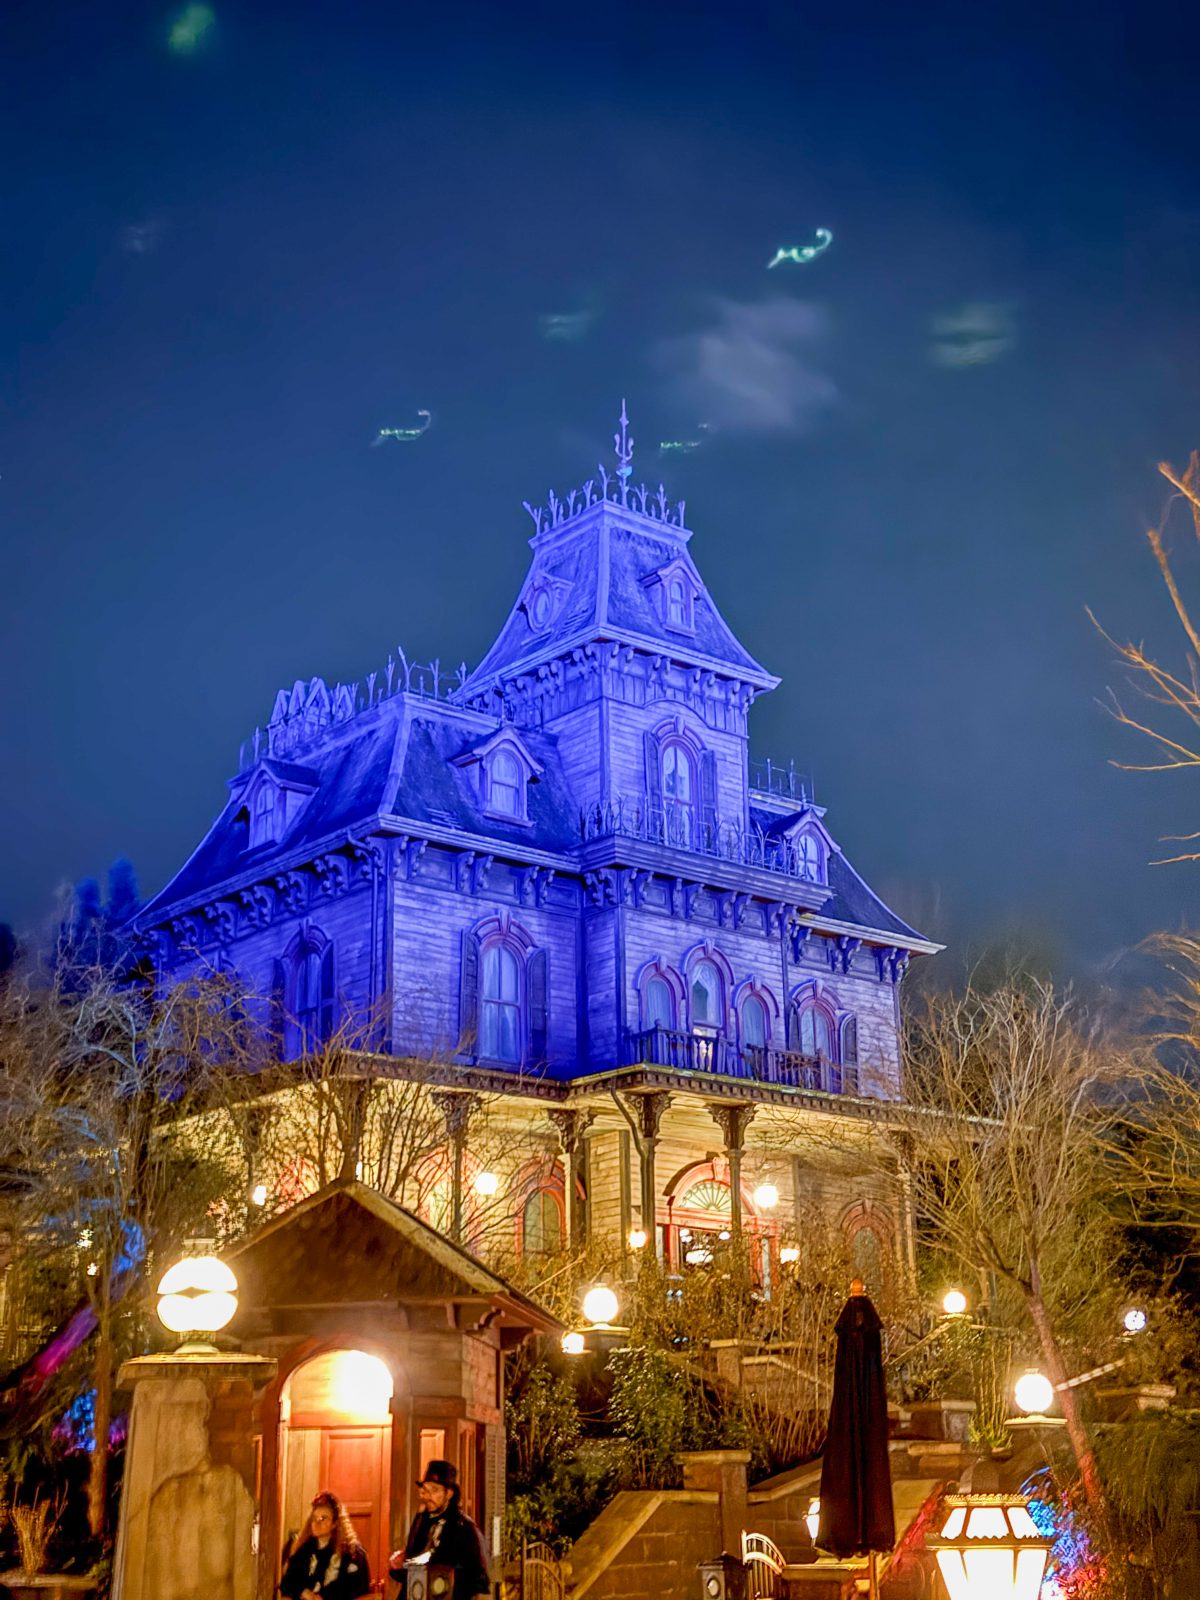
<point x="555" y="893"/>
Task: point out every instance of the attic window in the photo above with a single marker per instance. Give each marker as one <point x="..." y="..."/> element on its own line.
<point x="264" y="818"/>
<point x="810" y="858"/>
<point x="677" y="604"/>
<point x="506" y="785"/>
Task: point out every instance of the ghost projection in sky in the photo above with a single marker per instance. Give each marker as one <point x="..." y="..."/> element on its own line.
<point x="804" y="253"/>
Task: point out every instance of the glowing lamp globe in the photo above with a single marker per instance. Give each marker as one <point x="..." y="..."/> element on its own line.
<point x="1134" y="1320"/>
<point x="1034" y="1393"/>
<point x="989" y="1548"/>
<point x="789" y="1255"/>
<point x="954" y="1303"/>
<point x="766" y="1197"/>
<point x="258" y="1194"/>
<point x="600" y="1306"/>
<point x="197" y="1295"/>
<point x="573" y="1344"/>
<point x="486" y="1184"/>
<point x="637" y="1238"/>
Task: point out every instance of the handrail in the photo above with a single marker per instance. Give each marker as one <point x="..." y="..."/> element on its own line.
<point x="717" y="1053"/>
<point x="694" y="828"/>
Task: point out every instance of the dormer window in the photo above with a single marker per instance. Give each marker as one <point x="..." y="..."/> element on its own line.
<point x="265" y="802"/>
<point x="506" y="785"/>
<point x="810" y="858"/>
<point x="673" y="589"/>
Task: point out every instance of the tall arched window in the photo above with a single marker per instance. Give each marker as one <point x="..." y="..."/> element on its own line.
<point x="505" y="785"/>
<point x="500" y="1005"/>
<point x="755" y="1026"/>
<point x="677" y="794"/>
<point x="867" y="1252"/>
<point x="677" y="603"/>
<point x="313" y="1008"/>
<point x="658" y="1010"/>
<point x="541" y="1223"/>
<point x="814" y="1033"/>
<point x="850" y="1042"/>
<point x="706" y="997"/>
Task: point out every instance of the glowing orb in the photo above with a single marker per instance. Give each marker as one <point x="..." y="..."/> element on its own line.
<point x="1134" y="1320"/>
<point x="197" y="1295"/>
<point x="600" y="1305"/>
<point x="486" y="1184"/>
<point x="766" y="1196"/>
<point x="1034" y="1392"/>
<point x="954" y="1303"/>
<point x="572" y="1344"/>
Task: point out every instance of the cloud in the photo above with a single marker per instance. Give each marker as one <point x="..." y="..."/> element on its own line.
<point x="973" y="336"/>
<point x="140" y="238"/>
<point x="751" y="370"/>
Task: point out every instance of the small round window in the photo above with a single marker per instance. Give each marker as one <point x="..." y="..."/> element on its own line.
<point x="539" y="609"/>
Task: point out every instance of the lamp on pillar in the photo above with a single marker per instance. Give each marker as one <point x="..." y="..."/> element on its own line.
<point x="989" y="1548"/>
<point x="733" y="1118"/>
<point x="197" y="1296"/>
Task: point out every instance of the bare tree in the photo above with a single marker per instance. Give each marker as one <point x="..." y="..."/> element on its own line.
<point x="1174" y="728"/>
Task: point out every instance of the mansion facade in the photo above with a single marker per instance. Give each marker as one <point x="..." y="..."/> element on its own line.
<point x="559" y="884"/>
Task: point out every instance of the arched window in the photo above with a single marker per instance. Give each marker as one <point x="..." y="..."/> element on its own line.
<point x="850" y="1042"/>
<point x="814" y="1033"/>
<point x="677" y="603"/>
<point x="506" y="785"/>
<point x="500" y="1005"/>
<point x="313" y="990"/>
<point x="706" y="996"/>
<point x="658" y="1008"/>
<point x="542" y="1223"/>
<point x="264" y="809"/>
<point x="677" y="794"/>
<point x="809" y="857"/>
<point x="755" y="1025"/>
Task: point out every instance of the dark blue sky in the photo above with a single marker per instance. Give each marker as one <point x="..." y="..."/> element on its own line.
<point x="222" y="271"/>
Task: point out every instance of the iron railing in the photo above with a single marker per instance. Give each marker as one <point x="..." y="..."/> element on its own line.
<point x="768" y="777"/>
<point x="717" y="1053"/>
<point x="684" y="827"/>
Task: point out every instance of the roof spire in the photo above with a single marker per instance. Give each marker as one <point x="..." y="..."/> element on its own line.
<point x="623" y="445"/>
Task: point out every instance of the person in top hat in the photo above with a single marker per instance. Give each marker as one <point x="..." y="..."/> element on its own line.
<point x="442" y="1531"/>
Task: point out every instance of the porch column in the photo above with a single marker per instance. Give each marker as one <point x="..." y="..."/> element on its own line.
<point x="733" y="1118"/>
<point x="644" y="1113"/>
<point x="571" y="1126"/>
<point x="457" y="1108"/>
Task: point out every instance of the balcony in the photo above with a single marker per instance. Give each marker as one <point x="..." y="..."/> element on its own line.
<point x="717" y="1053"/>
<point x="686" y="828"/>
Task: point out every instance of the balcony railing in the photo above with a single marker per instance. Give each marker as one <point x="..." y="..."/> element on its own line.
<point x="717" y="1053"/>
<point x="686" y="828"/>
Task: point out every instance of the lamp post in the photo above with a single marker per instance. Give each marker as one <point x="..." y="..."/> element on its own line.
<point x="989" y="1548"/>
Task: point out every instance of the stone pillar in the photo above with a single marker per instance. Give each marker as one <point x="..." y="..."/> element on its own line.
<point x="725" y="1472"/>
<point x="733" y="1118"/>
<point x="571" y="1127"/>
<point x="645" y="1110"/>
<point x="457" y="1108"/>
<point x="187" y="1504"/>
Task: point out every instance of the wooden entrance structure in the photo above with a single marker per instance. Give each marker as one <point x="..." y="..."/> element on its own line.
<point x="389" y="1341"/>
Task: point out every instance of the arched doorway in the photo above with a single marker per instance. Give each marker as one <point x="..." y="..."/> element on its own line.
<point x="337" y="1434"/>
<point x="698" y="1221"/>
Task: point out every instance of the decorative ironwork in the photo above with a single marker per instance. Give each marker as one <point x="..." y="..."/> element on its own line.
<point x="615" y="489"/>
<point x="686" y="828"/>
<point x="763" y="1561"/>
<point x="768" y="777"/>
<point x="716" y="1053"/>
<point x="543" y="1576"/>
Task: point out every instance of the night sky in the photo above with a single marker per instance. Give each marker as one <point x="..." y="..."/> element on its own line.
<point x="235" y="244"/>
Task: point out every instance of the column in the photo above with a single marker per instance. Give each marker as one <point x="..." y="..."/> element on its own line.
<point x="571" y="1127"/>
<point x="733" y="1118"/>
<point x="644" y="1112"/>
<point x="457" y="1108"/>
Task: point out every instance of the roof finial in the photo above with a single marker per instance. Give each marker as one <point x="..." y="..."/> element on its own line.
<point x="623" y="445"/>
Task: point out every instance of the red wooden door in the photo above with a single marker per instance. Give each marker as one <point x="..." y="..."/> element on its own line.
<point x="354" y="1464"/>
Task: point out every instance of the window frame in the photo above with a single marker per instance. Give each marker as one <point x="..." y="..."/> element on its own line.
<point x="498" y="948"/>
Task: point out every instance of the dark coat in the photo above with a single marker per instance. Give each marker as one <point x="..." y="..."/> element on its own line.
<point x="309" y="1565"/>
<point x="458" y="1543"/>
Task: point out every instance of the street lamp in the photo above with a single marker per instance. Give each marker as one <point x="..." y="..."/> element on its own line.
<point x="989" y="1548"/>
<point x="600" y="1306"/>
<point x="637" y="1238"/>
<point x="197" y="1296"/>
<point x="766" y="1197"/>
<point x="486" y="1184"/>
<point x="1034" y="1392"/>
<point x="954" y="1303"/>
<point x="1134" y="1320"/>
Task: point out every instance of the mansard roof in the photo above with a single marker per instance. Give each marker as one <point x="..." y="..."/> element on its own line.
<point x="592" y="570"/>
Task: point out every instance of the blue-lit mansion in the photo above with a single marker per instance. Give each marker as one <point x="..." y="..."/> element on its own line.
<point x="560" y="885"/>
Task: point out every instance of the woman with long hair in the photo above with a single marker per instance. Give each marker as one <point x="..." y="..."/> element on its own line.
<point x="328" y="1563"/>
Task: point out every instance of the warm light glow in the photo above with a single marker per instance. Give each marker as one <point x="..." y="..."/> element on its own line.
<point x="954" y="1303"/>
<point x="360" y="1385"/>
<point x="1134" y="1320"/>
<point x="724" y="1234"/>
<point x="197" y="1295"/>
<point x="698" y="1257"/>
<point x="766" y="1197"/>
<point x="92" y="1269"/>
<point x="789" y="1254"/>
<point x="990" y="1549"/>
<point x="600" y="1305"/>
<point x="573" y="1344"/>
<point x="259" y="1194"/>
<point x="486" y="1184"/>
<point x="637" y="1238"/>
<point x="1034" y="1392"/>
<point x="812" y="1520"/>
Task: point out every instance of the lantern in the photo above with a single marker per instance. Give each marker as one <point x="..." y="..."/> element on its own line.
<point x="989" y="1548"/>
<point x="197" y="1295"/>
